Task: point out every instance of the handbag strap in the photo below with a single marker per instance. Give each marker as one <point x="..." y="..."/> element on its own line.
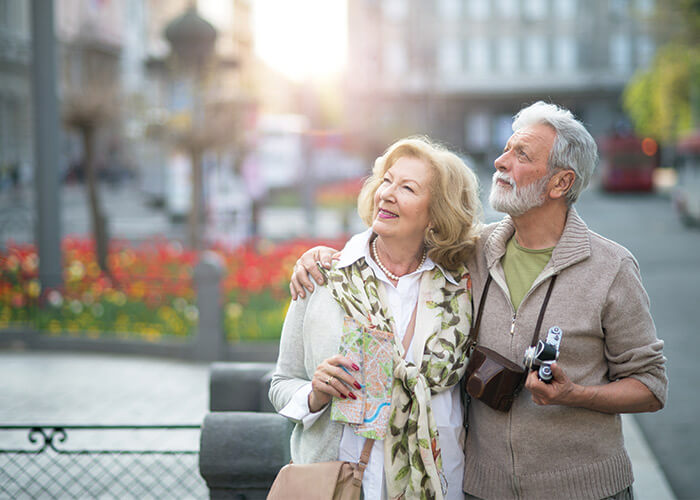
<point x="362" y="463"/>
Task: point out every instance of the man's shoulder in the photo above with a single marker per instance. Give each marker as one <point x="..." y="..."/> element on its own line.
<point x="608" y="249"/>
<point x="486" y="230"/>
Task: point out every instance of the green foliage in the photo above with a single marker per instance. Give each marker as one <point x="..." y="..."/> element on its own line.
<point x="658" y="100"/>
<point x="664" y="100"/>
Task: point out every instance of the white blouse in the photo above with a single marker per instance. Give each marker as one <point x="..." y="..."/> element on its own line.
<point x="446" y="406"/>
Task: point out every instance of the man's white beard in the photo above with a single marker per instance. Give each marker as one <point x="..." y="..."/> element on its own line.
<point x="516" y="201"/>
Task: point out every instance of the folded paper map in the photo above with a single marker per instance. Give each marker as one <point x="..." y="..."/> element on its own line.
<point x="372" y="351"/>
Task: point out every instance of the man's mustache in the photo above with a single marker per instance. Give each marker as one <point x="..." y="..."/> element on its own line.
<point x="503" y="177"/>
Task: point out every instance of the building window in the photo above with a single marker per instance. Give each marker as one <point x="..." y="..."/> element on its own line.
<point x="395" y="61"/>
<point x="565" y="57"/>
<point x="645" y="50"/>
<point x="477" y="132"/>
<point x="449" y="60"/>
<point x="394" y="9"/>
<point x="478" y="56"/>
<point x="478" y="10"/>
<point x="620" y="53"/>
<point x="507" y="54"/>
<point x="535" y="9"/>
<point x="645" y="7"/>
<point x="9" y="133"/>
<point x="619" y="8"/>
<point x="508" y="9"/>
<point x="565" y="10"/>
<point x="502" y="130"/>
<point x="535" y="53"/>
<point x="450" y="9"/>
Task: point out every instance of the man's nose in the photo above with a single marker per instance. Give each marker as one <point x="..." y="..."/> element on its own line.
<point x="501" y="163"/>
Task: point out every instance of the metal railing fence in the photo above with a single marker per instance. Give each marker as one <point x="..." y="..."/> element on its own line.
<point x="100" y="461"/>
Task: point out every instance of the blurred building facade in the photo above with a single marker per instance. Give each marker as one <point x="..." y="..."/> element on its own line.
<point x="15" y="91"/>
<point x="104" y="48"/>
<point x="459" y="69"/>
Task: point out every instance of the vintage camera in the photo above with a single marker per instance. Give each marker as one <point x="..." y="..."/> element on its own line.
<point x="542" y="355"/>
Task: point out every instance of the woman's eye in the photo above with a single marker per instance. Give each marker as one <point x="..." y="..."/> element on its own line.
<point x="409" y="188"/>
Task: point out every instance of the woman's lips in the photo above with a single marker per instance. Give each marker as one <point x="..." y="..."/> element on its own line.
<point x="385" y="214"/>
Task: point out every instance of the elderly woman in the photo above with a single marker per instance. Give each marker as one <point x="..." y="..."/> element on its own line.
<point x="400" y="288"/>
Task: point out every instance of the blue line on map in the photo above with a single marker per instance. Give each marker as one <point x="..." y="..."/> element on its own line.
<point x="376" y="413"/>
<point x="348" y="372"/>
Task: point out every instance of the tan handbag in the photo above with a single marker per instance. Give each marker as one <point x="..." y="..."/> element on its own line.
<point x="321" y="481"/>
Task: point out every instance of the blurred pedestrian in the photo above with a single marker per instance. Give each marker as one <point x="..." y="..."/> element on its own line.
<point x="404" y="275"/>
<point x="562" y="438"/>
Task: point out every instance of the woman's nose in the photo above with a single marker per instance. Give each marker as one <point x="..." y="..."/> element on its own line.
<point x="387" y="192"/>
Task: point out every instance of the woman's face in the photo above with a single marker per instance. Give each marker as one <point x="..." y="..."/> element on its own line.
<point x="402" y="201"/>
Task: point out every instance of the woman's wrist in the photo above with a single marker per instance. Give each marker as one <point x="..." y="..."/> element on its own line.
<point x="314" y="404"/>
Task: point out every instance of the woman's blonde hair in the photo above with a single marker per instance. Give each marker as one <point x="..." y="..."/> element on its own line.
<point x="455" y="208"/>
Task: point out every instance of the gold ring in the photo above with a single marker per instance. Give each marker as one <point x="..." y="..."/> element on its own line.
<point x="328" y="380"/>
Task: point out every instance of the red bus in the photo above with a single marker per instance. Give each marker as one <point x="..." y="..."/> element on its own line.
<point x="628" y="163"/>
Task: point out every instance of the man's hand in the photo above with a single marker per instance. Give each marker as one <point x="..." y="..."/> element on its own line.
<point x="627" y="395"/>
<point x="558" y="392"/>
<point x="306" y="265"/>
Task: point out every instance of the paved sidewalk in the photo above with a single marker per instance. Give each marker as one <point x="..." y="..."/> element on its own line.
<point x="63" y="388"/>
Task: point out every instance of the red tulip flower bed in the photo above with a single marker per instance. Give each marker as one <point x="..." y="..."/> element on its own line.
<point x="151" y="291"/>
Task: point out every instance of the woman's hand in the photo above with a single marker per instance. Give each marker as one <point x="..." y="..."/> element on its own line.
<point x="330" y="379"/>
<point x="307" y="265"/>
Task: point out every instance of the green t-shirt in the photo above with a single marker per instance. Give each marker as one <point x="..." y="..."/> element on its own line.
<point x="521" y="266"/>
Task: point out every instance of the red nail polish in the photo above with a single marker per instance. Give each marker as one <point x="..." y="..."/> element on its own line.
<point x="342" y="396"/>
<point x="358" y="386"/>
<point x="352" y="395"/>
<point x="355" y="367"/>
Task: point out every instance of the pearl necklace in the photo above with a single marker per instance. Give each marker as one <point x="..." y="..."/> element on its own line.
<point x="383" y="268"/>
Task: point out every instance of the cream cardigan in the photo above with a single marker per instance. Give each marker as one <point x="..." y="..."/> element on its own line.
<point x="535" y="452"/>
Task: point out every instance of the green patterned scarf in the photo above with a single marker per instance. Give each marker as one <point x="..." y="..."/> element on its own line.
<point x="412" y="458"/>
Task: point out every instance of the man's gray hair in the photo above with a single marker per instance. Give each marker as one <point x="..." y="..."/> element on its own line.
<point x="574" y="147"/>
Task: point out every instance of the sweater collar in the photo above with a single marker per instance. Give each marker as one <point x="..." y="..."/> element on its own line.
<point x="573" y="246"/>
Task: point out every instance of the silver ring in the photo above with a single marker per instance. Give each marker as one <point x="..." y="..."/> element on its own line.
<point x="328" y="380"/>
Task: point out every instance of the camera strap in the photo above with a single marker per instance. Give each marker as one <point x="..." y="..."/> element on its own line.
<point x="474" y="331"/>
<point x="536" y="335"/>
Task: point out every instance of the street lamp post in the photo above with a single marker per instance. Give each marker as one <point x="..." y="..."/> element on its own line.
<point x="46" y="144"/>
<point x="192" y="40"/>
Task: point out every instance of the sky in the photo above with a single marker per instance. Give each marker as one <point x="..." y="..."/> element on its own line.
<point x="303" y="39"/>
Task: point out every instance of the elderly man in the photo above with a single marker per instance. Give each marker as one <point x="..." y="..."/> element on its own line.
<point x="561" y="439"/>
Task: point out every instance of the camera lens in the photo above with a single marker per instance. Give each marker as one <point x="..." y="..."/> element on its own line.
<point x="545" y="373"/>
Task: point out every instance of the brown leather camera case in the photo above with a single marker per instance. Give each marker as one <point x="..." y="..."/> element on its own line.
<point x="493" y="379"/>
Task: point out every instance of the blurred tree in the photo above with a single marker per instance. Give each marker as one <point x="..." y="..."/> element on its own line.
<point x="213" y="123"/>
<point x="86" y="111"/>
<point x="220" y="127"/>
<point x="663" y="101"/>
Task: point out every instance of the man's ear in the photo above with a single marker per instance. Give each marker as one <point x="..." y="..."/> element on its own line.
<point x="561" y="183"/>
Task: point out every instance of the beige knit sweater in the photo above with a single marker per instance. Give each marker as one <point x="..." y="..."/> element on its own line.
<point x="535" y="452"/>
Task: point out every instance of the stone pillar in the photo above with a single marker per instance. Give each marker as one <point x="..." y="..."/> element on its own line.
<point x="240" y="386"/>
<point x="210" y="343"/>
<point x="240" y="453"/>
